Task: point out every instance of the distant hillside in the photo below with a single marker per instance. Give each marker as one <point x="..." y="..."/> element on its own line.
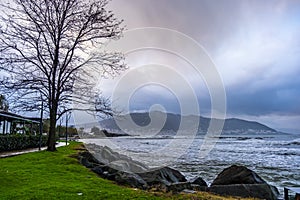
<point x="172" y="123"/>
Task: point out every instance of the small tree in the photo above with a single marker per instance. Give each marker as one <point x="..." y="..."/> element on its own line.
<point x="47" y="48"/>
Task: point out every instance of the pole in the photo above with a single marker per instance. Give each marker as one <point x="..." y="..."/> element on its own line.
<point x="59" y="128"/>
<point x="67" y="128"/>
<point x="41" y="126"/>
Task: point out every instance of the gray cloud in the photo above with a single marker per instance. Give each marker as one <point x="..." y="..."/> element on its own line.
<point x="255" y="45"/>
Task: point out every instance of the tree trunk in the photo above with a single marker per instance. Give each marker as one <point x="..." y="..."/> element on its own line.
<point x="51" y="138"/>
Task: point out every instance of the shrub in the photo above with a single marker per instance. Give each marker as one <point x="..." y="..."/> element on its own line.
<point x="19" y="142"/>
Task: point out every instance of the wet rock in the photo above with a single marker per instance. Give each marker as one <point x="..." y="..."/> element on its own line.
<point x="115" y="160"/>
<point x="199" y="188"/>
<point x="110" y="134"/>
<point x="89" y="156"/>
<point x="87" y="159"/>
<point x="237" y="175"/>
<point x="128" y="166"/>
<point x="165" y="175"/>
<point x="114" y="166"/>
<point x="199" y="181"/>
<point x="84" y="161"/>
<point x="243" y="182"/>
<point x="131" y="179"/>
<point x="261" y="191"/>
<point x="98" y="170"/>
<point x="178" y="187"/>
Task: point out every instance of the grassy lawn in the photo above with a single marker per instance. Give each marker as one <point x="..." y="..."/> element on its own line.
<point x="58" y="175"/>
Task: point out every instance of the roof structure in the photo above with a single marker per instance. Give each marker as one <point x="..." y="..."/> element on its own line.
<point x="8" y="118"/>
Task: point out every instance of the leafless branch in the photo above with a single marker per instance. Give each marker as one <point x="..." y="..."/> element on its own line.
<point x="44" y="46"/>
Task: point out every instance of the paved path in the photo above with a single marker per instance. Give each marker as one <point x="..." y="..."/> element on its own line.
<point x="19" y="152"/>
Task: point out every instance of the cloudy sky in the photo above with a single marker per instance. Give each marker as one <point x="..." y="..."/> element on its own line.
<point x="255" y="46"/>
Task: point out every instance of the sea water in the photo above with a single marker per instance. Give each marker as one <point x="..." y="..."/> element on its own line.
<point x="276" y="158"/>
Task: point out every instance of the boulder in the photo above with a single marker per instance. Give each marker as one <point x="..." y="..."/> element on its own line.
<point x="130" y="179"/>
<point x="178" y="187"/>
<point x="98" y="170"/>
<point x="165" y="175"/>
<point x="122" y="169"/>
<point x="109" y="176"/>
<point x="87" y="159"/>
<point x="115" y="160"/>
<point x="199" y="188"/>
<point x="84" y="161"/>
<point x="199" y="181"/>
<point x="128" y="166"/>
<point x="110" y="134"/>
<point x="237" y="175"/>
<point x="243" y="182"/>
<point x="260" y="191"/>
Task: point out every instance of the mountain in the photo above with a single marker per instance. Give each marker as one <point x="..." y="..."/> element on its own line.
<point x="172" y="122"/>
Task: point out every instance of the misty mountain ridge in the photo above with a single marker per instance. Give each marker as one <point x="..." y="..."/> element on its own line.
<point x="172" y="123"/>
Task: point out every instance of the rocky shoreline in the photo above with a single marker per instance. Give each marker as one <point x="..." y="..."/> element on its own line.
<point x="232" y="181"/>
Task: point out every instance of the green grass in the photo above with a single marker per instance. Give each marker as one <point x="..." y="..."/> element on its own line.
<point x="58" y="175"/>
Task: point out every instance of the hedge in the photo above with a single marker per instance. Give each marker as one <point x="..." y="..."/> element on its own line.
<point x="19" y="142"/>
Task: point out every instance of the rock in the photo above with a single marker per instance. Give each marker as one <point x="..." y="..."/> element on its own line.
<point x="98" y="170"/>
<point x="128" y="166"/>
<point x="178" y="187"/>
<point x="260" y="191"/>
<point x="199" y="181"/>
<point x="199" y="188"/>
<point x="131" y="179"/>
<point x="115" y="160"/>
<point x="89" y="157"/>
<point x="109" y="134"/>
<point x="109" y="173"/>
<point x="243" y="182"/>
<point x="109" y="176"/>
<point x="84" y="161"/>
<point x="114" y="166"/>
<point x="165" y="175"/>
<point x="237" y="175"/>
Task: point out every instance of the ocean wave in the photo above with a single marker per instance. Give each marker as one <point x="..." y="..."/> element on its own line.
<point x="294" y="142"/>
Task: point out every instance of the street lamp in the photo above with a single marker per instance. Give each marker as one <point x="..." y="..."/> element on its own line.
<point x="67" y="119"/>
<point x="41" y="125"/>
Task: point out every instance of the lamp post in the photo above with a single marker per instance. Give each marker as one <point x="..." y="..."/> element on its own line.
<point x="59" y="128"/>
<point x="67" y="119"/>
<point x="41" y="125"/>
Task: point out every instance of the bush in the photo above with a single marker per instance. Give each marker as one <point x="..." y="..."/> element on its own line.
<point x="19" y="142"/>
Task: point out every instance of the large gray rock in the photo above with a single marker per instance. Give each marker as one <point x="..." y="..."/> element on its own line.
<point x="87" y="159"/>
<point x="198" y="184"/>
<point x="165" y="175"/>
<point x="98" y="170"/>
<point x="243" y="182"/>
<point x="131" y="179"/>
<point x="178" y="187"/>
<point x="199" y="181"/>
<point x="122" y="169"/>
<point x="237" y="175"/>
<point x="261" y="191"/>
<point x="115" y="160"/>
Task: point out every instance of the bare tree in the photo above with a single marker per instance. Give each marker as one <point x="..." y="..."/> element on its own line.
<point x="3" y="103"/>
<point x="47" y="49"/>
